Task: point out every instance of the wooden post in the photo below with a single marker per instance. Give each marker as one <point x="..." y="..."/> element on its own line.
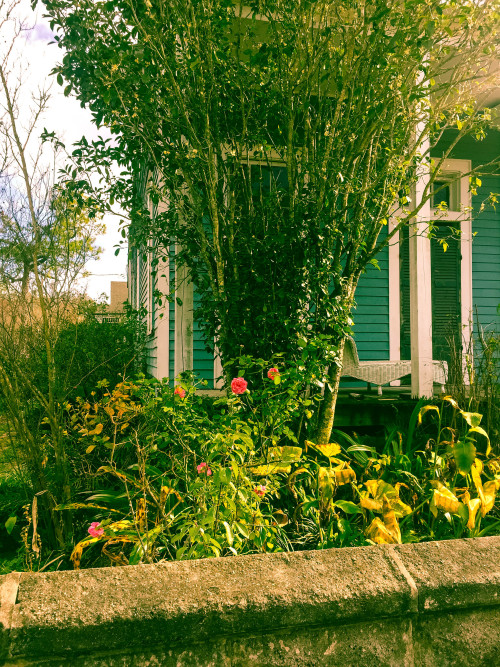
<point x="183" y="321"/>
<point x="421" y="293"/>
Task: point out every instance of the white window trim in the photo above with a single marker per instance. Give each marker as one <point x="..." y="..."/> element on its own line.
<point x="453" y="167"/>
<point x="464" y="216"/>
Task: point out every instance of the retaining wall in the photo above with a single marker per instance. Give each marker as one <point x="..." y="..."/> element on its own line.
<point x="430" y="604"/>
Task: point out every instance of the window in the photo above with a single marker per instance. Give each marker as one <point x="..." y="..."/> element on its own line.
<point x="446" y="192"/>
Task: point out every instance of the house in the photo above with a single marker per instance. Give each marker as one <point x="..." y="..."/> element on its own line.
<point x="425" y="293"/>
<point x="114" y="311"/>
<point x="454" y="290"/>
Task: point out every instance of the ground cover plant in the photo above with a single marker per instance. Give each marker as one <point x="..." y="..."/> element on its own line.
<point x="186" y="476"/>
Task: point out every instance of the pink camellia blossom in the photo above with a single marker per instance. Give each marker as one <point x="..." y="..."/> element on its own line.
<point x="203" y="468"/>
<point x="272" y="373"/>
<point x="94" y="530"/>
<point x="239" y="386"/>
<point x="260" y="490"/>
<point x="179" y="391"/>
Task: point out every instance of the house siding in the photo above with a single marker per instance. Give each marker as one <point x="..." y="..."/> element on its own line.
<point x="486" y="230"/>
<point x="371" y="314"/>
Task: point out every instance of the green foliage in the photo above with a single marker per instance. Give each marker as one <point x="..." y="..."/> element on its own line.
<point x="187" y="476"/>
<point x="278" y="140"/>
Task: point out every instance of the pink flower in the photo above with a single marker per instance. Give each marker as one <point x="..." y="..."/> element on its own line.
<point x="203" y="468"/>
<point x="239" y="386"/>
<point x="272" y="373"/>
<point x="179" y="391"/>
<point x="260" y="490"/>
<point x="94" y="530"/>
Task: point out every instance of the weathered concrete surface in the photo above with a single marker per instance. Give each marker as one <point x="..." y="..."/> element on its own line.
<point x="364" y="606"/>
<point x="455" y="573"/>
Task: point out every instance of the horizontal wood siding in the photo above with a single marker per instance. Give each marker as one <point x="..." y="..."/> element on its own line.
<point x="371" y="315"/>
<point x="203" y="360"/>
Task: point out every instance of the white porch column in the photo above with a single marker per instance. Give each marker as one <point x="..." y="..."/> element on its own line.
<point x="162" y="321"/>
<point x="183" y="321"/>
<point x="421" y="293"/>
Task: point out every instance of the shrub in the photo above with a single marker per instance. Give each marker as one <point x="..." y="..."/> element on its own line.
<point x="187" y="476"/>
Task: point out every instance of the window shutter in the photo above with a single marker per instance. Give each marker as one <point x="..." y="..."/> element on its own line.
<point x="446" y="310"/>
<point x="404" y="273"/>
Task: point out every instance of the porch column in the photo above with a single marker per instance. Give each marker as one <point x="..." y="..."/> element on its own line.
<point x="183" y="321"/>
<point x="421" y="293"/>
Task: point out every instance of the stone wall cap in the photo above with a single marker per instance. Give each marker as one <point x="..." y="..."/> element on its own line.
<point x="454" y="574"/>
<point x="115" y="609"/>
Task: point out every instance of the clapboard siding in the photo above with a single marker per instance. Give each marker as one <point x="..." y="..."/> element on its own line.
<point x="203" y="359"/>
<point x="371" y="314"/>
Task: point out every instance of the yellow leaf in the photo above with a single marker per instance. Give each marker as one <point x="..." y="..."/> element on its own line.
<point x="489" y="491"/>
<point x="386" y="531"/>
<point x="378" y="488"/>
<point x="140" y="514"/>
<point x="443" y="499"/>
<point x="326" y="484"/>
<point x="370" y="504"/>
<point x="473" y="506"/>
<point x="478" y="429"/>
<point x="472" y="418"/>
<point x="378" y="533"/>
<point x="451" y="401"/>
<point x="270" y="469"/>
<point x="328" y="450"/>
<point x="286" y="454"/>
<point x="281" y="518"/>
<point x="125" y="524"/>
<point x="425" y="409"/>
<point x="76" y="554"/>
<point x="390" y="521"/>
<point x="97" y="430"/>
<point x="344" y="475"/>
<point x="90" y="449"/>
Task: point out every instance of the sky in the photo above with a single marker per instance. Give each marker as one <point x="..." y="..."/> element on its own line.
<point x="70" y="122"/>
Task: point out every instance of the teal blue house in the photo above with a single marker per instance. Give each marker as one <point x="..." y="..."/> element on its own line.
<point x="419" y="301"/>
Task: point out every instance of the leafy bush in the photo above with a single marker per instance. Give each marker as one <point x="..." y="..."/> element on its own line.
<point x="187" y="476"/>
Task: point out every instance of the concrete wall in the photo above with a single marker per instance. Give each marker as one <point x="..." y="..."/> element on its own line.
<point x="425" y="604"/>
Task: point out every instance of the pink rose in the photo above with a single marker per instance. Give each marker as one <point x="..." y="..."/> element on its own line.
<point x="203" y="468"/>
<point x="94" y="530"/>
<point x="260" y="490"/>
<point x="179" y="391"/>
<point x="239" y="386"/>
<point x="272" y="373"/>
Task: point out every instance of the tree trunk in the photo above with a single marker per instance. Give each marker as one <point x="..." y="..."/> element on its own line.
<point x="327" y="414"/>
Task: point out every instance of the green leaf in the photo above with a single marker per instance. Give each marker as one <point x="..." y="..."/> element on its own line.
<point x="348" y="507"/>
<point x="242" y="529"/>
<point x="464" y="454"/>
<point x="10" y="523"/>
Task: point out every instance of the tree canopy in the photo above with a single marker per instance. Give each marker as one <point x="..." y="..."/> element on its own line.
<point x="281" y="138"/>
